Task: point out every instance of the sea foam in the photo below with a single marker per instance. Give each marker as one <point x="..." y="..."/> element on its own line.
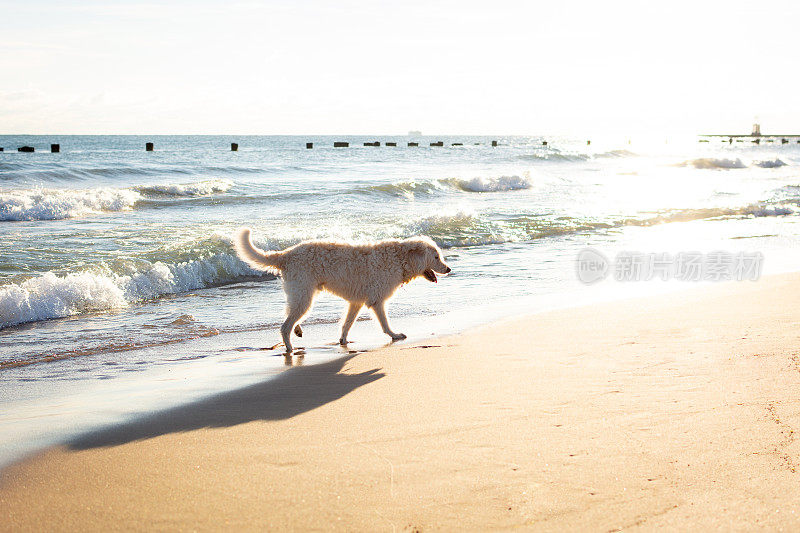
<point x="52" y="204"/>
<point x="52" y="296"/>
<point x="199" y="188"/>
<point x="58" y="204"/>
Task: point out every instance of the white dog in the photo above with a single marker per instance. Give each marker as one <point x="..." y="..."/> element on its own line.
<point x="362" y="274"/>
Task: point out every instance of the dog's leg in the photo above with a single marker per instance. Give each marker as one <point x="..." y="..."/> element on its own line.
<point x="352" y="313"/>
<point x="297" y="305"/>
<point x="380" y="312"/>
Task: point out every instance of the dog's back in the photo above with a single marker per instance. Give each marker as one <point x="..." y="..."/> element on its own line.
<point x="355" y="272"/>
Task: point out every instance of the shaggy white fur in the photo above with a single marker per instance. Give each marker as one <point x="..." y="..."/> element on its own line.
<point x="362" y="274"/>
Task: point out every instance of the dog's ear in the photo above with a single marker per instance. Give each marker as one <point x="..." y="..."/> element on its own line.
<point x="416" y="254"/>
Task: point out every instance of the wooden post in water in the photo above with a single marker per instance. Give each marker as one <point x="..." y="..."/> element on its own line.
<point x="26" y="149"/>
<point x="1" y="148"/>
<point x="494" y="143"/>
<point x="439" y="143"/>
<point x="391" y="144"/>
<point x="417" y="144"/>
<point x="148" y="147"/>
<point x="340" y="144"/>
<point x="544" y="143"/>
<point x="588" y="143"/>
<point x="234" y="147"/>
<point x="55" y="148"/>
<point x="309" y="146"/>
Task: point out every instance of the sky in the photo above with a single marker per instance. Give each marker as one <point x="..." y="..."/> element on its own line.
<point x="345" y="67"/>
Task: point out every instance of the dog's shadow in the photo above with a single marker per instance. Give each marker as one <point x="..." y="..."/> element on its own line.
<point x="294" y="391"/>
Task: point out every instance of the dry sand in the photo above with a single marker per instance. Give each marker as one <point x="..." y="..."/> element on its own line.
<point x="674" y="411"/>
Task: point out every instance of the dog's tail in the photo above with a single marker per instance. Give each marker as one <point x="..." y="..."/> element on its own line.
<point x="255" y="257"/>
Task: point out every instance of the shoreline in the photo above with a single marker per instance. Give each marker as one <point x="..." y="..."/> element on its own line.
<point x="673" y="410"/>
<point x="233" y="360"/>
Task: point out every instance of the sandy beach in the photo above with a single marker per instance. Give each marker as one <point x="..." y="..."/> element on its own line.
<point x="674" y="411"/>
<point x="585" y="232"/>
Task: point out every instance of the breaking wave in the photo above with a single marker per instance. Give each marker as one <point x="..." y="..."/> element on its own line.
<point x="180" y="190"/>
<point x="59" y="204"/>
<point x="52" y="204"/>
<point x="713" y="163"/>
<point x="554" y="156"/>
<point x="770" y="163"/>
<point x="458" y="230"/>
<point x="477" y="184"/>
<point x="116" y="285"/>
<point x="403" y="188"/>
<point x="498" y="184"/>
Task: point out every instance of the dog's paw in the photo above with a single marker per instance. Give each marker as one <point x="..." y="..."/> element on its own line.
<point x="298" y="330"/>
<point x="398" y="336"/>
<point x="343" y="342"/>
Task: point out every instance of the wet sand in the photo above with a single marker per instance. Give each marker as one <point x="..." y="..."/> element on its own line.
<point x="674" y="411"/>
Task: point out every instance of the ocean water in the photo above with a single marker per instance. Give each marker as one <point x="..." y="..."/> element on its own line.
<point x="116" y="267"/>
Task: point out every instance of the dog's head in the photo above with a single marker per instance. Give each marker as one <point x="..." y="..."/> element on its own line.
<point x="424" y="258"/>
